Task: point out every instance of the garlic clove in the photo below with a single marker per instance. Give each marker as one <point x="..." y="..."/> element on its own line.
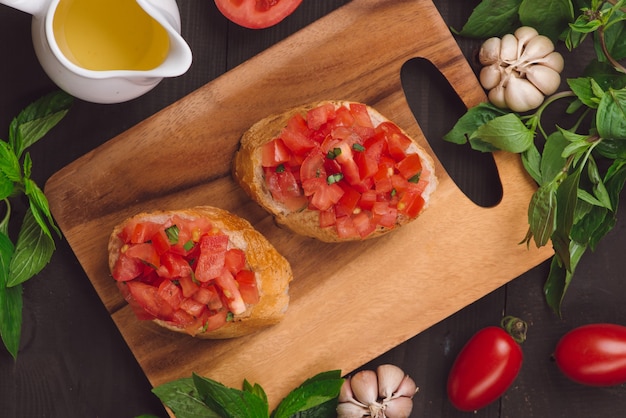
<point x="544" y="78"/>
<point x="365" y="386"/>
<point x="553" y="60"/>
<point x="537" y="47"/>
<point x="521" y="95"/>
<point x="407" y="387"/>
<point x="351" y="410"/>
<point x="389" y="379"/>
<point x="496" y="97"/>
<point x="345" y="393"/>
<point x="523" y="35"/>
<point x="490" y="76"/>
<point x="490" y="51"/>
<point x="399" y="407"/>
<point x="508" y="48"/>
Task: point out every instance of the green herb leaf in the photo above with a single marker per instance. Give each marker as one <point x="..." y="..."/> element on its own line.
<point x="9" y="164"/>
<point x="182" y="397"/>
<point x="10" y="301"/>
<point x="39" y="207"/>
<point x="550" y="18"/>
<point x="314" y="392"/>
<point x="531" y="159"/>
<point x="542" y="213"/>
<point x="507" y="133"/>
<point x="560" y="278"/>
<point x="37" y="119"/>
<point x="472" y="120"/>
<point x="492" y="18"/>
<point x="172" y="234"/>
<point x="611" y="115"/>
<point x="552" y="160"/>
<point x="7" y="187"/>
<point x="33" y="251"/>
<point x="228" y="402"/>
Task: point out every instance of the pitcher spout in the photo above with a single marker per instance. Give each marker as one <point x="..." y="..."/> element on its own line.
<point x="179" y="58"/>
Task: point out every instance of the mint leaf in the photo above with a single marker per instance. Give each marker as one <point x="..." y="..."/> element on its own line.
<point x="33" y="251"/>
<point x="10" y="301"/>
<point x="182" y="397"/>
<point x="37" y="119"/>
<point x="228" y="402"/>
<point x="507" y="133"/>
<point x="314" y="392"/>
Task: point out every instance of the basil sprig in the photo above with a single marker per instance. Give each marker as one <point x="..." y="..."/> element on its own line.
<point x="35" y="244"/>
<point x="198" y="396"/>
<point x="580" y="170"/>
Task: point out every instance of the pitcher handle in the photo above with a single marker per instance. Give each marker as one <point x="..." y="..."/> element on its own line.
<point x="33" y="7"/>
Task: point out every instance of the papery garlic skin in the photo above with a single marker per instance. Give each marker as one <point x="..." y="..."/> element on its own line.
<point x="386" y="393"/>
<point x="523" y="72"/>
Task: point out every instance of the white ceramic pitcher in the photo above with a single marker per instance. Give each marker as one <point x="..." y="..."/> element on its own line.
<point x="108" y="85"/>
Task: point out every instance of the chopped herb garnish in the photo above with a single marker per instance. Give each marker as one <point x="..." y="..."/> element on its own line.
<point x="334" y="178"/>
<point x="188" y="245"/>
<point x="415" y="178"/>
<point x="172" y="234"/>
<point x="393" y="192"/>
<point x="358" y="147"/>
<point x="280" y="168"/>
<point x="334" y="153"/>
<point x="230" y="317"/>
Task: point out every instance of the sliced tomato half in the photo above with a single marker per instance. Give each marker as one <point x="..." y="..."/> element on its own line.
<point x="257" y="14"/>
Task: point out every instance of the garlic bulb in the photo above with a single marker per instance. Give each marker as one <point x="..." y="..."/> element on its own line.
<point x="386" y="393"/>
<point x="520" y="69"/>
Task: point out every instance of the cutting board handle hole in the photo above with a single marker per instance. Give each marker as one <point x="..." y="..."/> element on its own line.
<point x="475" y="173"/>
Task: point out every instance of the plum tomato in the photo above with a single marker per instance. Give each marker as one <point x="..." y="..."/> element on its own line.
<point x="257" y="14"/>
<point x="486" y="366"/>
<point x="593" y="354"/>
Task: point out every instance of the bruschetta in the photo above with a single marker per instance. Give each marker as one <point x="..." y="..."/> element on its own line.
<point x="202" y="271"/>
<point x="335" y="171"/>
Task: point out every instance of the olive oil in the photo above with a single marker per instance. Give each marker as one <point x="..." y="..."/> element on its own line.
<point x="105" y="35"/>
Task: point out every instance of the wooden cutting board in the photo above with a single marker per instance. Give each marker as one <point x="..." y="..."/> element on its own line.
<point x="350" y="302"/>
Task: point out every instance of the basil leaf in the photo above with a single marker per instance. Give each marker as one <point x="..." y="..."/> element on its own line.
<point x="255" y="389"/>
<point x="506" y="133"/>
<point x="10" y="301"/>
<point x="615" y="33"/>
<point x="531" y="159"/>
<point x="542" y="213"/>
<point x="37" y="119"/>
<point x="470" y="121"/>
<point x="6" y="186"/>
<point x="552" y="160"/>
<point x="182" y="397"/>
<point x="598" y="187"/>
<point x="228" y="402"/>
<point x="611" y="115"/>
<point x="550" y="18"/>
<point x="33" y="251"/>
<point x="492" y="18"/>
<point x="314" y="392"/>
<point x="559" y="278"/>
<point x="582" y="89"/>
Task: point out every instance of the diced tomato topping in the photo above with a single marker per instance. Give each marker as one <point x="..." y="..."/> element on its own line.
<point x="212" y="257"/>
<point x="246" y="280"/>
<point x="183" y="273"/>
<point x="345" y="167"/>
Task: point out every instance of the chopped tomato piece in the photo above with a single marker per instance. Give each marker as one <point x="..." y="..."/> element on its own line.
<point x="208" y="296"/>
<point x="361" y="115"/>
<point x="274" y="153"/>
<point x="384" y="214"/>
<point x="320" y="115"/>
<point x="216" y="320"/>
<point x="170" y="293"/>
<point x="246" y="280"/>
<point x="410" y="166"/>
<point x="148" y="298"/>
<point x="346" y="228"/>
<point x="161" y="242"/>
<point x="187" y="286"/>
<point x="226" y="281"/>
<point x="212" y="257"/>
<point x="173" y="266"/>
<point x="364" y="224"/>
<point x="296" y="135"/>
<point x="126" y="268"/>
<point x="411" y="203"/>
<point x="192" y="307"/>
<point x="144" y="252"/>
<point x="323" y="195"/>
<point x="348" y="202"/>
<point x="235" y="260"/>
<point x="327" y="218"/>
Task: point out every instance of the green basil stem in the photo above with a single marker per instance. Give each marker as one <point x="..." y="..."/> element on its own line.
<point x="515" y="327"/>
<point x="535" y="118"/>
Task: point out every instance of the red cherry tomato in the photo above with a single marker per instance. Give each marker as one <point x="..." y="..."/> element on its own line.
<point x="484" y="369"/>
<point x="593" y="354"/>
<point x="257" y="14"/>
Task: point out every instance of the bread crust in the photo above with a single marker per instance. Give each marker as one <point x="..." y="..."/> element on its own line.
<point x="273" y="271"/>
<point x="248" y="172"/>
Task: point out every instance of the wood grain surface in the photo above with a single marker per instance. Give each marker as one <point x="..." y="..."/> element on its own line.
<point x="181" y="157"/>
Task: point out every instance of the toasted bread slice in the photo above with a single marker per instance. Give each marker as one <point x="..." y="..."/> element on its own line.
<point x="248" y="170"/>
<point x="272" y="272"/>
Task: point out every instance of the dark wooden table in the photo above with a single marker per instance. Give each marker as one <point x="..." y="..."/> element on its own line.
<point x="73" y="361"/>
